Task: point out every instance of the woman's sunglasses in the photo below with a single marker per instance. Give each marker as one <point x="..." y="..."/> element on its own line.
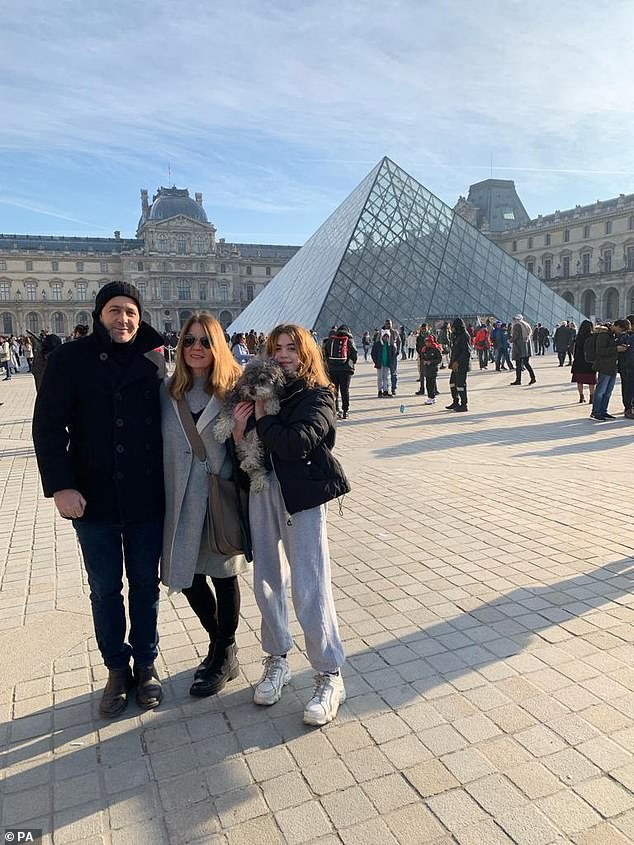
<point x="190" y="340"/>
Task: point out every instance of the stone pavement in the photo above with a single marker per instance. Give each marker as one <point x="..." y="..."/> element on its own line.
<point x="483" y="574"/>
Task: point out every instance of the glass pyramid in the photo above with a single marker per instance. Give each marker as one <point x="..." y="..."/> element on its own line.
<point x="393" y="249"/>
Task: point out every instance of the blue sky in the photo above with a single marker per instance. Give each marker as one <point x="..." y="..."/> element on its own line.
<point x="275" y="109"/>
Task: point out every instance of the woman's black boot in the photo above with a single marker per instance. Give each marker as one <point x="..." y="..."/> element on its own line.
<point x="205" y="662"/>
<point x="224" y="666"/>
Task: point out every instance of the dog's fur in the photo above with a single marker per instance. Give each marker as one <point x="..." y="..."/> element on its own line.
<point x="262" y="379"/>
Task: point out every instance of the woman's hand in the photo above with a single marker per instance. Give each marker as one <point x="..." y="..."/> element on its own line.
<point x="259" y="409"/>
<point x="241" y="414"/>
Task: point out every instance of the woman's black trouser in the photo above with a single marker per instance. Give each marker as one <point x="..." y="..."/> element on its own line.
<point x="458" y="384"/>
<point x="219" y="614"/>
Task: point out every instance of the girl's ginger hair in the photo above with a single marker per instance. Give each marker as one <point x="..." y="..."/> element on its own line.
<point x="311" y="366"/>
<point x="224" y="371"/>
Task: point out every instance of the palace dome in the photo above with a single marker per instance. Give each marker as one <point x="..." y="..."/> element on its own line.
<point x="171" y="202"/>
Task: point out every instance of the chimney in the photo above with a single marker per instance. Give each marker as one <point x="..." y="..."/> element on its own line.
<point x="199" y="197"/>
<point x="117" y="234"/>
<point x="144" y="203"/>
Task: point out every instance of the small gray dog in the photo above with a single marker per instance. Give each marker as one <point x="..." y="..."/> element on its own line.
<point x="262" y="378"/>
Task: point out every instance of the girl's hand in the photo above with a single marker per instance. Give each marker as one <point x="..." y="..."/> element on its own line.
<point x="241" y="414"/>
<point x="259" y="409"/>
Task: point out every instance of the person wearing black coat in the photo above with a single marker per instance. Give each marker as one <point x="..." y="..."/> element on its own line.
<point x="97" y="437"/>
<point x="459" y="363"/>
<point x="341" y="369"/>
<point x="288" y="524"/>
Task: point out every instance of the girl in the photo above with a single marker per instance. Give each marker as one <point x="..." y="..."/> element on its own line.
<point x="582" y="370"/>
<point x="431" y="356"/>
<point x="288" y="523"/>
<point x="205" y="370"/>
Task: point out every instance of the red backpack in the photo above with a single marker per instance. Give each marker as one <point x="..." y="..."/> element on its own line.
<point x="338" y="348"/>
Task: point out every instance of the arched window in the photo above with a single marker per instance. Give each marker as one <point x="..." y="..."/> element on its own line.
<point x="33" y="322"/>
<point x="610" y="310"/>
<point x="225" y="318"/>
<point x="569" y="297"/>
<point x="589" y="303"/>
<point x="59" y="325"/>
<point x="84" y="318"/>
<point x="7" y="323"/>
<point x="184" y="316"/>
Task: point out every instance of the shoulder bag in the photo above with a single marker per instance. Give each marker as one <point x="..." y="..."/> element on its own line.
<point x="226" y="501"/>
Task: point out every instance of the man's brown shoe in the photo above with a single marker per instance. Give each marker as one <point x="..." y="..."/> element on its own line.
<point x="115" y="695"/>
<point x="149" y="692"/>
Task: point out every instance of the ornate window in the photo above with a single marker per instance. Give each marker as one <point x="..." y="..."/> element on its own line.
<point x="529" y="243"/>
<point x="181" y="245"/>
<point x="30" y="289"/>
<point x="5" y="290"/>
<point x="202" y="267"/>
<point x="33" y="322"/>
<point x="139" y="266"/>
<point x="79" y="266"/>
<point x="586" y="231"/>
<point x="565" y="266"/>
<point x="514" y="246"/>
<point x="607" y="261"/>
<point x="202" y="290"/>
<point x="566" y="235"/>
<point x="224" y="292"/>
<point x="608" y="227"/>
<point x="611" y="304"/>
<point x="199" y="244"/>
<point x="184" y="289"/>
<point x="249" y="270"/>
<point x="223" y="268"/>
<point x="629" y="261"/>
<point x="585" y="262"/>
<point x="142" y="288"/>
<point x="569" y="297"/>
<point x="7" y="323"/>
<point x="55" y="266"/>
<point x="103" y="266"/>
<point x="166" y="290"/>
<point x="29" y="265"/>
<point x="530" y="266"/>
<point x="547" y="239"/>
<point x="57" y="291"/>
<point x="58" y="324"/>
<point x="3" y="264"/>
<point x="82" y="289"/>
<point x="162" y="243"/>
<point x="548" y="268"/>
<point x="630" y="222"/>
<point x="249" y="293"/>
<point x="267" y="270"/>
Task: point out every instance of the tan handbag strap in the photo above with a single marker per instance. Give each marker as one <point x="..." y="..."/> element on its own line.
<point x="195" y="440"/>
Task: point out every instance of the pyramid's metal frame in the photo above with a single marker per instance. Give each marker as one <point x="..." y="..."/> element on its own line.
<point x="393" y="249"/>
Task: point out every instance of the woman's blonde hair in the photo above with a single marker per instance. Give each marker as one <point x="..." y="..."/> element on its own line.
<point x="311" y="366"/>
<point x="224" y="371"/>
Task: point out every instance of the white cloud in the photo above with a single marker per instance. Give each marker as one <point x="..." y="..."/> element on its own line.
<point x="216" y="87"/>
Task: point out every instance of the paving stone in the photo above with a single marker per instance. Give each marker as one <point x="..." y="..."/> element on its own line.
<point x="568" y="812"/>
<point x="240" y="805"/>
<point x="262" y="831"/>
<point x="467" y="765"/>
<point x="430" y="778"/>
<point x="528" y="826"/>
<point x="348" y="807"/>
<point x="284" y="791"/>
<point x="328" y="776"/>
<point x="390" y="792"/>
<point x="456" y="809"/>
<point x="606" y="796"/>
<point x="483" y="833"/>
<point x="495" y="794"/>
<point x="367" y="764"/>
<point x="198" y="821"/>
<point x="305" y="823"/>
<point x="534" y="779"/>
<point x="414" y="824"/>
<point x="602" y="834"/>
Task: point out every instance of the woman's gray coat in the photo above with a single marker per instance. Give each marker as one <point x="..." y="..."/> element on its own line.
<point x="521" y="345"/>
<point x="184" y="547"/>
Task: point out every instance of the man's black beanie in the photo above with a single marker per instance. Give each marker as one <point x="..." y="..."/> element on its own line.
<point x="113" y="289"/>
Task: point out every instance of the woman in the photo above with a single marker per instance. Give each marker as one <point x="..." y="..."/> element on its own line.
<point x="240" y="350"/>
<point x="459" y="363"/>
<point x="411" y="344"/>
<point x="205" y="370"/>
<point x="291" y="511"/>
<point x="28" y="353"/>
<point x="582" y="370"/>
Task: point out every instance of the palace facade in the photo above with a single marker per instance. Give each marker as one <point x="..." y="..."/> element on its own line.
<point x="175" y="261"/>
<point x="585" y="254"/>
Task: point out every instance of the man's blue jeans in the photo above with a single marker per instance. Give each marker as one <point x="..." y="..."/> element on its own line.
<point x="105" y="548"/>
<point x="602" y="393"/>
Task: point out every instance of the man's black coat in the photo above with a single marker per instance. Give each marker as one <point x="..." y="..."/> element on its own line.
<point x="97" y="427"/>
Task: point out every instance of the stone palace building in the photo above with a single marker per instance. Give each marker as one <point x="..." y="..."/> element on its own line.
<point x="175" y="260"/>
<point x="585" y="254"/>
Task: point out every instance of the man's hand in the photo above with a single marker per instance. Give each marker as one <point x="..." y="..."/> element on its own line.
<point x="70" y="503"/>
<point x="241" y="414"/>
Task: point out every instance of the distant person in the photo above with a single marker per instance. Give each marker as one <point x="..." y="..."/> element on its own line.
<point x="583" y="371"/>
<point x="340" y="355"/>
<point x="5" y="357"/>
<point x="240" y="350"/>
<point x="521" y="346"/>
<point x="431" y="356"/>
<point x="563" y="340"/>
<point x="396" y="340"/>
<point x="459" y="363"/>
<point x="41" y="354"/>
<point x="366" y="342"/>
<point x="384" y="358"/>
<point x="602" y="348"/>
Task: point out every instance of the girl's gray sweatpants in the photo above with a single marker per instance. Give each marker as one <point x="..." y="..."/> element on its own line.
<point x="296" y="553"/>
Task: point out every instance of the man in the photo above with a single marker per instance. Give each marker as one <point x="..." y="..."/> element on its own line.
<point x="97" y="436"/>
<point x="562" y="340"/>
<point x="341" y="355"/>
<point x="608" y="341"/>
<point x="402" y="335"/>
<point x="521" y="345"/>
